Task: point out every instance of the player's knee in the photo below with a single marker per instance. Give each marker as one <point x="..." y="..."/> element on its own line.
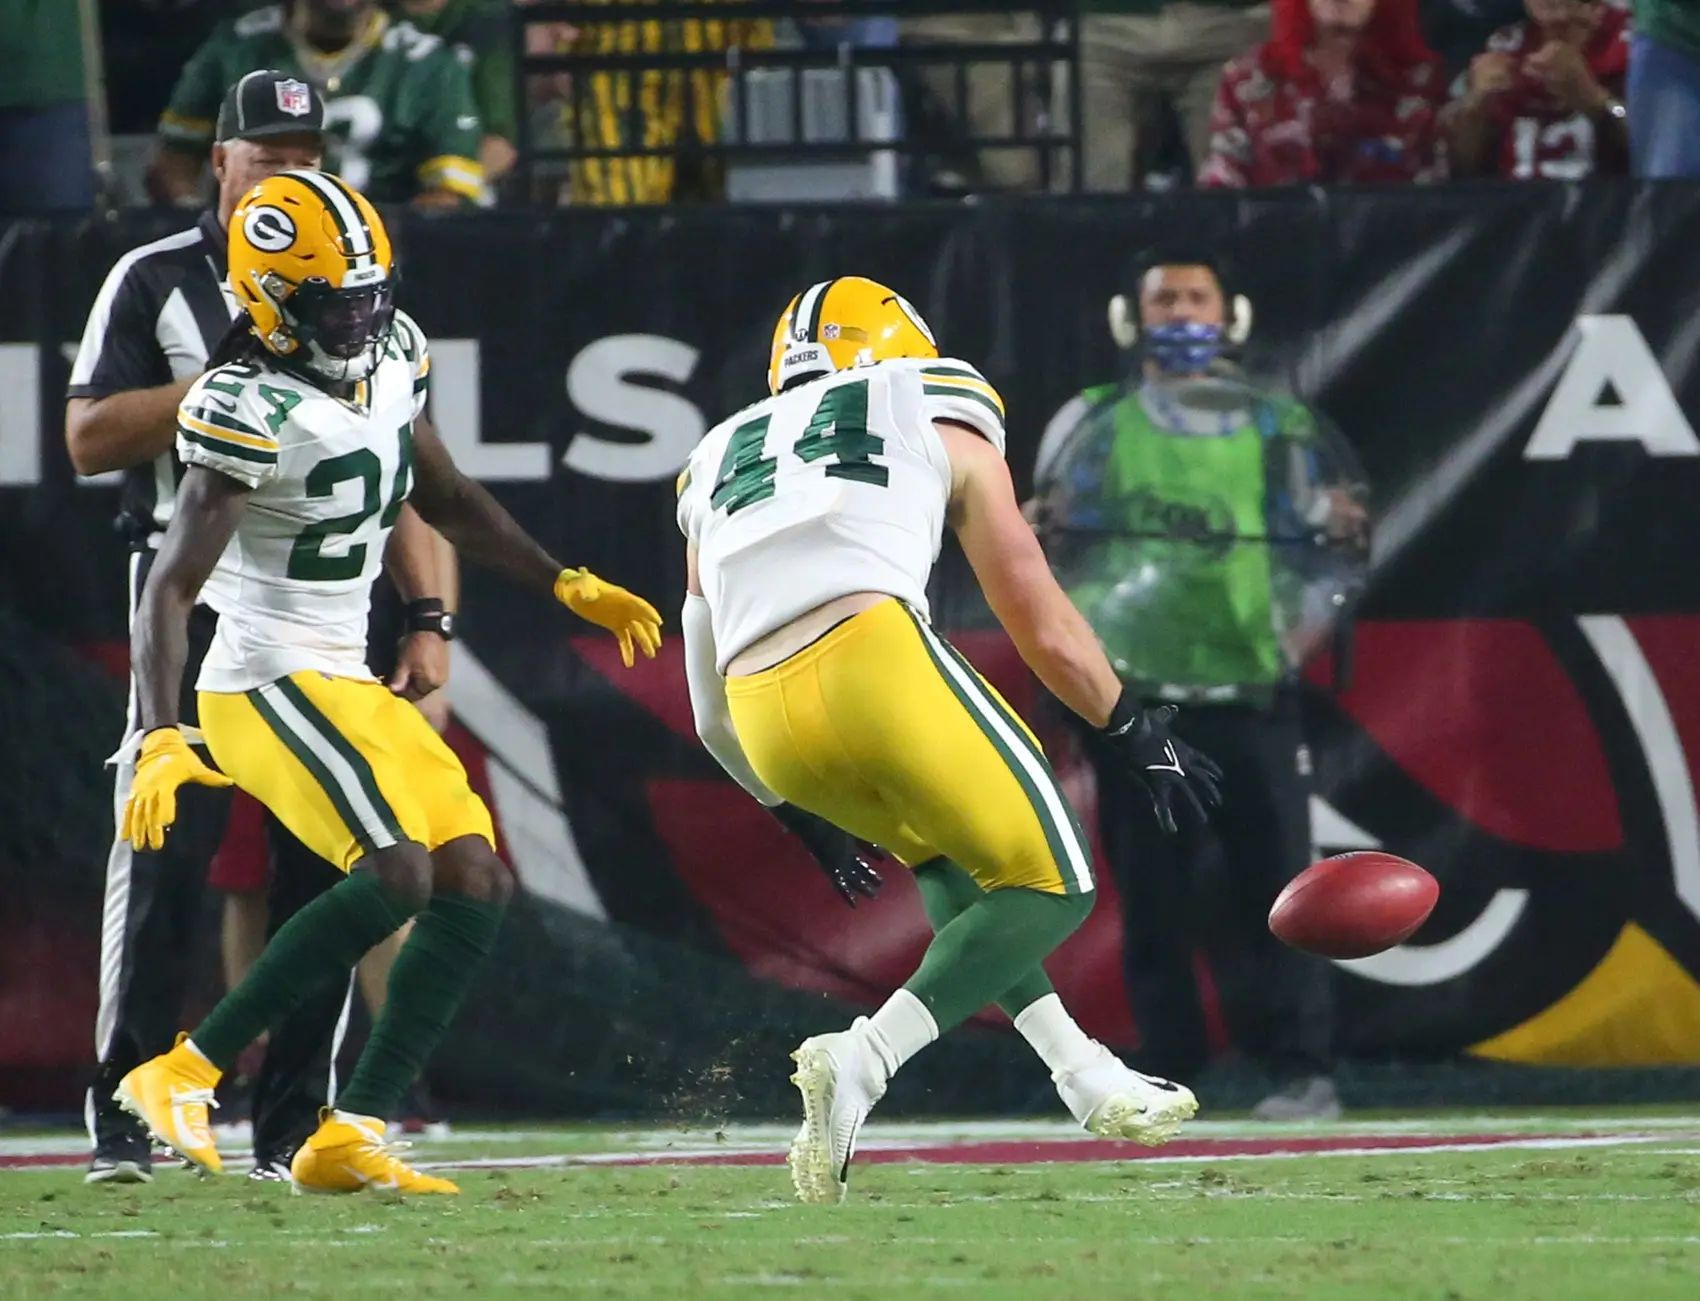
<point x="468" y="866"/>
<point x="404" y="870"/>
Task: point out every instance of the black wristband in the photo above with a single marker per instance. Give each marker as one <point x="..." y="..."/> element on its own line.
<point x="428" y="615"/>
<point x="1124" y="715"/>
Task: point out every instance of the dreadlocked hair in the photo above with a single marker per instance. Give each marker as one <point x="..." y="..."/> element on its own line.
<point x="1391" y="44"/>
<point x="239" y="343"/>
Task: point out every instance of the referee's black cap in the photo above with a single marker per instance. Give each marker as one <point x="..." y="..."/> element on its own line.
<point x="269" y="103"/>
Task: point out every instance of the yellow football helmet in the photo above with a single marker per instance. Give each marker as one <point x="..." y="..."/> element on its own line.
<point x="841" y="323"/>
<point x="311" y="262"/>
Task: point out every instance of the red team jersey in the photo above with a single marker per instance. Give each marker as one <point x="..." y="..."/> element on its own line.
<point x="1265" y="131"/>
<point x="1538" y="137"/>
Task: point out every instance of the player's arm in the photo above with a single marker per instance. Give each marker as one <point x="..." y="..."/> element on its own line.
<point x="708" y="689"/>
<point x="465" y="513"/>
<point x="414" y="560"/>
<point x="1053" y="637"/>
<point x="207" y="508"/>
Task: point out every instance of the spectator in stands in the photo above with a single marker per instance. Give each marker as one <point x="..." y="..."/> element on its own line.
<point x="399" y="107"/>
<point x="1132" y="51"/>
<point x="1544" y="99"/>
<point x="1664" y="89"/>
<point x="479" y="33"/>
<point x="45" y="161"/>
<point x="674" y="110"/>
<point x="1343" y="92"/>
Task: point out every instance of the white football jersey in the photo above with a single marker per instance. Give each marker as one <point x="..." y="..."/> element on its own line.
<point x="293" y="588"/>
<point x="839" y="485"/>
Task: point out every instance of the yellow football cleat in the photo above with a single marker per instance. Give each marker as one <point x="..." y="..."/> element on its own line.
<point x="170" y="1095"/>
<point x="348" y="1153"/>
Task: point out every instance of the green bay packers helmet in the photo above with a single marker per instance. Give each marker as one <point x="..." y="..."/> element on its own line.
<point x="311" y="262"/>
<point x="850" y="321"/>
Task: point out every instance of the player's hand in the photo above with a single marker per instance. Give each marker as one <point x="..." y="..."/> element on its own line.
<point x="633" y="620"/>
<point x="165" y="763"/>
<point x="421" y="666"/>
<point x="841" y="856"/>
<point x="1165" y="765"/>
<point x="1491" y="73"/>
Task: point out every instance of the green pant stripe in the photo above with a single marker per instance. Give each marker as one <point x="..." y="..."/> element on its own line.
<point x="1067" y="848"/>
<point x="312" y="764"/>
<point x="1031" y="746"/>
<point x="355" y="760"/>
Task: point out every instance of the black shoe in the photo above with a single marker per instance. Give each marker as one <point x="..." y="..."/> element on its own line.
<point x="121" y="1161"/>
<point x="271" y="1168"/>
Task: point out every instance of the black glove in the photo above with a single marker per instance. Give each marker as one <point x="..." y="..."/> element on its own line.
<point x="1163" y="763"/>
<point x="841" y="856"/>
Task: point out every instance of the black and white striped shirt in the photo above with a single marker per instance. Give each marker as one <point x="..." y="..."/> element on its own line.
<point x="162" y="310"/>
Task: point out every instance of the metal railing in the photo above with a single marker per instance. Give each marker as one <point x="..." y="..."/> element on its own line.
<point x="699" y="95"/>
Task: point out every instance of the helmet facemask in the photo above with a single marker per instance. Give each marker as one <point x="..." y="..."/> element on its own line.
<point x="337" y="334"/>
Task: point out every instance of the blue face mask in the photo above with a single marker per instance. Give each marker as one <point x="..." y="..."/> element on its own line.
<point x="1182" y="347"/>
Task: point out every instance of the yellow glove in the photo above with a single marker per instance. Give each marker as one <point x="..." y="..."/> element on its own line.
<point x="629" y="617"/>
<point x="166" y="762"/>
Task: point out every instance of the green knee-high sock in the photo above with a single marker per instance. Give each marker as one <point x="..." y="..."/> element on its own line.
<point x="947" y="890"/>
<point x="432" y="973"/>
<point x="317" y="945"/>
<point x="990" y="947"/>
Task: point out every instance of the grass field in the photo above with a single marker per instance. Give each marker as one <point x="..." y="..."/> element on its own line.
<point x="1439" y="1208"/>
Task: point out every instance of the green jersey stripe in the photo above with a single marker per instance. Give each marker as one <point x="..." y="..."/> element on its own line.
<point x="253" y="455"/>
<point x="218" y="419"/>
<point x="951" y="391"/>
<point x="960" y="371"/>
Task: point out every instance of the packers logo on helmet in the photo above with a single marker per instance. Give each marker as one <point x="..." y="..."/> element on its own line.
<point x="311" y="263"/>
<point x="841" y="323"/>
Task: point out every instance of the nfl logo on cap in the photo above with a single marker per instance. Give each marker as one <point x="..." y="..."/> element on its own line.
<point x="293" y="98"/>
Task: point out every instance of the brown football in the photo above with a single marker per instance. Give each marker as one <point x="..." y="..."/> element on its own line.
<point x="1353" y="905"/>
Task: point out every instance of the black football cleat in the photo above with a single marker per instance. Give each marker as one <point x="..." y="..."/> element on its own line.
<point x="121" y="1161"/>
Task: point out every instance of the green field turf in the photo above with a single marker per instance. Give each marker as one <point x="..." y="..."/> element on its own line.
<point x="1619" y="1222"/>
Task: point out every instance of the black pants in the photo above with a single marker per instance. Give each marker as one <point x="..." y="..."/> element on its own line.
<point x="151" y="914"/>
<point x="1216" y="887"/>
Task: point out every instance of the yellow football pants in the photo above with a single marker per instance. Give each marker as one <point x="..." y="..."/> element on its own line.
<point x="882" y="728"/>
<point x="346" y="765"/>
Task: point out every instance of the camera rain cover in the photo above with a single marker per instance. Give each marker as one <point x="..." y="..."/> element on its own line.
<point x="1212" y="532"/>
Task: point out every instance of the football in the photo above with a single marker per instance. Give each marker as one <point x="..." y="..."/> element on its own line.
<point x="1353" y="905"/>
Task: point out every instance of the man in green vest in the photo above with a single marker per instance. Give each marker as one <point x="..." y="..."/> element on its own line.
<point x="399" y="112"/>
<point x="1210" y="531"/>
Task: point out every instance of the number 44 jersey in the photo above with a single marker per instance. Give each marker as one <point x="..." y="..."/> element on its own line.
<point x="837" y="486"/>
<point x="328" y="476"/>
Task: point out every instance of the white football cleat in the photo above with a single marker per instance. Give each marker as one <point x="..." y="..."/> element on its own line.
<point x="840" y="1078"/>
<point x="1112" y="1100"/>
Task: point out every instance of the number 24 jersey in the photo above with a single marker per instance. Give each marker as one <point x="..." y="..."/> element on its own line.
<point x="837" y="486"/>
<point x="328" y="477"/>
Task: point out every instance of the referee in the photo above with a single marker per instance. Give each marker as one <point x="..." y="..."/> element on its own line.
<point x="159" y="315"/>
